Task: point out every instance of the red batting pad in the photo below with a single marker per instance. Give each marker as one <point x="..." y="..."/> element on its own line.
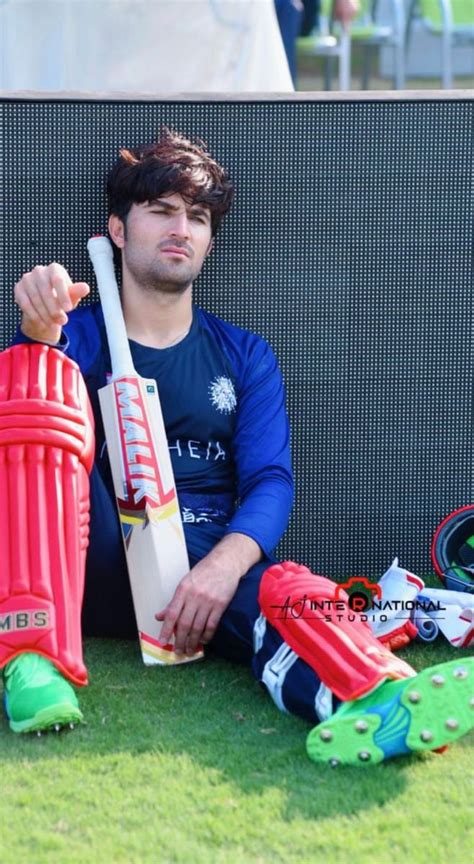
<point x="331" y="638"/>
<point x="46" y="453"/>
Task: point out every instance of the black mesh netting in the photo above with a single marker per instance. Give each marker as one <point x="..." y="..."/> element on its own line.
<point x="348" y="248"/>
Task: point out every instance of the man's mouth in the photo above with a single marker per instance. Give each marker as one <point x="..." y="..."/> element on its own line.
<point x="175" y="250"/>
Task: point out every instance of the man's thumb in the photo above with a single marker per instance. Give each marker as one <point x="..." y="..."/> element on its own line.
<point x="77" y="292"/>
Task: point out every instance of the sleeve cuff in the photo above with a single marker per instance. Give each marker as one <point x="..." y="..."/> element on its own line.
<point x="238" y="529"/>
<point x="21" y="339"/>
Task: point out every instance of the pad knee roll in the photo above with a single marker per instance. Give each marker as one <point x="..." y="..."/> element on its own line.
<point x="314" y="618"/>
<point x="46" y="454"/>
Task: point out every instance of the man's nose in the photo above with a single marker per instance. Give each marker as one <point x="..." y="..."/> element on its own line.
<point x="180" y="225"/>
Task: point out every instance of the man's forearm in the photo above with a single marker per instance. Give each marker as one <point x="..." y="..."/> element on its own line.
<point x="236" y="553"/>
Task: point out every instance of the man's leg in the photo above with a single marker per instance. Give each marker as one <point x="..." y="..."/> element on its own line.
<point x="251" y="632"/>
<point x="245" y="636"/>
<point x="46" y="452"/>
<point x="337" y="671"/>
<point x="107" y="610"/>
<point x="388" y="709"/>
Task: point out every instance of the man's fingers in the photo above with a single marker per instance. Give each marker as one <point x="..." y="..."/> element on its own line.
<point x="28" y="295"/>
<point x="60" y="294"/>
<point x="66" y="292"/>
<point x="32" y="309"/>
<point x="195" y="636"/>
<point x="186" y="629"/>
<point x="192" y="616"/>
<point x="49" y="293"/>
<point x="169" y="616"/>
<point x="45" y="297"/>
<point x="211" y="626"/>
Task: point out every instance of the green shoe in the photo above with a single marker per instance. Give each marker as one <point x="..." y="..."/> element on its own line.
<point x="425" y="712"/>
<point x="37" y="697"/>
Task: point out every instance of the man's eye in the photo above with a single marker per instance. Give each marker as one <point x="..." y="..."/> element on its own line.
<point x="199" y="217"/>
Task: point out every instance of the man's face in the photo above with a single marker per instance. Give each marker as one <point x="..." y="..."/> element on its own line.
<point x="164" y="243"/>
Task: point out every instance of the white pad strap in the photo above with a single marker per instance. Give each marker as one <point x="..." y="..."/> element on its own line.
<point x="274" y="673"/>
<point x="259" y="630"/>
<point x="323" y="703"/>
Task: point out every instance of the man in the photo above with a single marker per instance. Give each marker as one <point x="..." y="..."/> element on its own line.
<point x="289" y="14"/>
<point x="301" y="17"/>
<point x="224" y="409"/>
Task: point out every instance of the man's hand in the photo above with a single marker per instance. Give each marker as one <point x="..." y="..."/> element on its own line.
<point x="45" y="295"/>
<point x="203" y="595"/>
<point x="197" y="607"/>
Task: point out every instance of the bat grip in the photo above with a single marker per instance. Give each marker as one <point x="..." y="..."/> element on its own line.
<point x="101" y="255"/>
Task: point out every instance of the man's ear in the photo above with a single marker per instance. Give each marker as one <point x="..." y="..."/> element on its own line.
<point x="117" y="230"/>
<point x="210" y="247"/>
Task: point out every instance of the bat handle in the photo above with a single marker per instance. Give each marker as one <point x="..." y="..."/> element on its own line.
<point x="101" y="255"/>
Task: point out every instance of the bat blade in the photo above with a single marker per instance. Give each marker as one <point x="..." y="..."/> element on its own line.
<point x="147" y="504"/>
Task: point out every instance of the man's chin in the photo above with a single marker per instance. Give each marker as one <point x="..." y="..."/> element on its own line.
<point x="171" y="287"/>
<point x="169" y="283"/>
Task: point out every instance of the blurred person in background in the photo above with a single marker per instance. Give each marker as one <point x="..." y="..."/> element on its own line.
<point x="301" y="18"/>
<point x="290" y="16"/>
<point x="310" y="20"/>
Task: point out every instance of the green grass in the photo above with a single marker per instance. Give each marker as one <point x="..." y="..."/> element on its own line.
<point x="310" y="77"/>
<point x="196" y="764"/>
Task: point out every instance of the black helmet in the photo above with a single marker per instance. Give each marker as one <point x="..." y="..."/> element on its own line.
<point x="452" y="550"/>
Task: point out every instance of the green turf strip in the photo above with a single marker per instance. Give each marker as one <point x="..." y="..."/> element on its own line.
<point x="197" y="765"/>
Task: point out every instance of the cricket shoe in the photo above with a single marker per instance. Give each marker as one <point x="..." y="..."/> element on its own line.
<point x="425" y="712"/>
<point x="36" y="696"/>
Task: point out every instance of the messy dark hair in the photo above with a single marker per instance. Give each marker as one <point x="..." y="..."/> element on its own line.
<point x="174" y="164"/>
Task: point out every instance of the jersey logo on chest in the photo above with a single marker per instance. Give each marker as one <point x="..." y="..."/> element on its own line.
<point x="222" y="395"/>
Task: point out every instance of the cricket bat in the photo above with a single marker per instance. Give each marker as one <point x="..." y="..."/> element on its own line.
<point x="144" y="485"/>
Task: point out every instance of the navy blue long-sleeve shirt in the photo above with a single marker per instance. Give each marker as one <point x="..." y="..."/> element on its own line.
<point x="223" y="404"/>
